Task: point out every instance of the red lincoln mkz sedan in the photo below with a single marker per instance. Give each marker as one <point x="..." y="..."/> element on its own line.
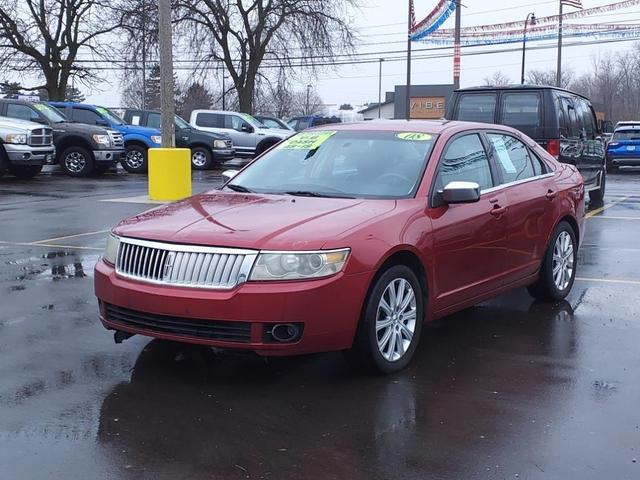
<point x="348" y="237"/>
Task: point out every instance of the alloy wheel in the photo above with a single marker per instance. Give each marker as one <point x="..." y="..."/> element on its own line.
<point x="199" y="159"/>
<point x="75" y="162"/>
<point x="396" y="319"/>
<point x="134" y="159"/>
<point x="563" y="261"/>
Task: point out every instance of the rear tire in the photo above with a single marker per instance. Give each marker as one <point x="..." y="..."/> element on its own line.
<point x="201" y="158"/>
<point x="25" y="172"/>
<point x="135" y="160"/>
<point x="558" y="270"/>
<point x="76" y="161"/>
<point x="389" y="330"/>
<point x="597" y="196"/>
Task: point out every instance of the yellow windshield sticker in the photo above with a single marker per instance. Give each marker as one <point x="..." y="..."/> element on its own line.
<point x="414" y="136"/>
<point x="40" y="107"/>
<point x="102" y="110"/>
<point x="306" y="140"/>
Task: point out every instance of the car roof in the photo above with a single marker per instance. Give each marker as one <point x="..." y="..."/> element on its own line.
<point x="435" y="127"/>
<point x="523" y="86"/>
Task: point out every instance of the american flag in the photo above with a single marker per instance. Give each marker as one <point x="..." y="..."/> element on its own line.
<point x="572" y="3"/>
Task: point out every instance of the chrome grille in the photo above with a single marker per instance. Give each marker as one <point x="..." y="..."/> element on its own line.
<point x="183" y="265"/>
<point x="117" y="140"/>
<point x="41" y="137"/>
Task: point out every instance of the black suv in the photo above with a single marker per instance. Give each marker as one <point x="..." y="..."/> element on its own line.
<point x="80" y="149"/>
<point x="562" y="122"/>
<point x="207" y="148"/>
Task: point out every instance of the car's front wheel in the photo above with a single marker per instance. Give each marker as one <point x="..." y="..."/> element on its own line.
<point x="76" y="161"/>
<point x="201" y="158"/>
<point x="135" y="160"/>
<point x="389" y="330"/>
<point x="558" y="271"/>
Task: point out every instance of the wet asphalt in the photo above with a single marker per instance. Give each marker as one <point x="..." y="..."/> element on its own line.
<point x="509" y="389"/>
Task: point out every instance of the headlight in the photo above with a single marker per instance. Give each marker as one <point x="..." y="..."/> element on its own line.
<point x="111" y="250"/>
<point x="103" y="140"/>
<point x="219" y="144"/>
<point x="16" y="138"/>
<point x="156" y="138"/>
<point x="298" y="265"/>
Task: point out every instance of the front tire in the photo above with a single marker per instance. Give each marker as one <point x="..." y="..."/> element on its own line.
<point x="25" y="172"/>
<point x="76" y="162"/>
<point x="201" y="158"/>
<point x="558" y="271"/>
<point x="390" y="327"/>
<point x="135" y="160"/>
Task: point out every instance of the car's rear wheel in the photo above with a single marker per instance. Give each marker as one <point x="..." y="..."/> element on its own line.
<point x="135" y="160"/>
<point x="558" y="271"/>
<point x="25" y="172"/>
<point x="597" y="196"/>
<point x="201" y="158"/>
<point x="76" y="161"/>
<point x="390" y="327"/>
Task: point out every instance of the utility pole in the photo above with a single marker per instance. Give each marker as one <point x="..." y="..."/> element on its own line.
<point x="559" y="67"/>
<point x="224" y="92"/>
<point x="531" y="16"/>
<point x="144" y="54"/>
<point x="308" y="107"/>
<point x="167" y="107"/>
<point x="456" y="47"/>
<point x="380" y="90"/>
<point x="410" y="26"/>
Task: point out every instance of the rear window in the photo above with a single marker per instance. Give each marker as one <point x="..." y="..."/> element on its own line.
<point x="626" y="135"/>
<point x="521" y="109"/>
<point x="211" y="120"/>
<point x="477" y="107"/>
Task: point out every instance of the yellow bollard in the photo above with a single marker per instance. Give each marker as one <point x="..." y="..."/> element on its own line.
<point x="169" y="173"/>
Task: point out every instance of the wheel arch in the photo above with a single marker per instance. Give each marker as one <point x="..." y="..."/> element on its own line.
<point x="266" y="143"/>
<point x="573" y="223"/>
<point x="136" y="142"/>
<point x="72" y="141"/>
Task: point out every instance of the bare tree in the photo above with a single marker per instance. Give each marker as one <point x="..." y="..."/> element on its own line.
<point x="498" y="79"/>
<point x="195" y="96"/>
<point x="46" y="36"/>
<point x="242" y="35"/>
<point x="548" y="77"/>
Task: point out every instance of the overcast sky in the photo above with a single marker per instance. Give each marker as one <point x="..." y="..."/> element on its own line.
<point x="382" y="28"/>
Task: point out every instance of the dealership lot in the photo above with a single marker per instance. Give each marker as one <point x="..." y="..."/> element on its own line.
<point x="509" y="389"/>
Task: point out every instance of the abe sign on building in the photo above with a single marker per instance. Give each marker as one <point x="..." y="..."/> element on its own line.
<point x="427" y="107"/>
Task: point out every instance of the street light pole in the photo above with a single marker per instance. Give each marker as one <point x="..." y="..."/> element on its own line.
<point x="380" y="90"/>
<point x="531" y="16"/>
<point x="308" y="104"/>
<point x="559" y="67"/>
<point x="167" y="99"/>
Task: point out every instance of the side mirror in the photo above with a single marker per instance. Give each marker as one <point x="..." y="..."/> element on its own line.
<point x="461" y="192"/>
<point x="102" y="122"/>
<point x="227" y="175"/>
<point x="246" y="128"/>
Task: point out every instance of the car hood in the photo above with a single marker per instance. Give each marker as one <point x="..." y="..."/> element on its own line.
<point x="146" y="131"/>
<point x="18" y="125"/>
<point x="81" y="128"/>
<point x="277" y="132"/>
<point x="269" y="222"/>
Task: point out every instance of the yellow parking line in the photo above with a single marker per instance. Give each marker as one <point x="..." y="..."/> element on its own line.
<point x="609" y="280"/>
<point x="32" y="244"/>
<point x="49" y="240"/>
<point x="604" y="207"/>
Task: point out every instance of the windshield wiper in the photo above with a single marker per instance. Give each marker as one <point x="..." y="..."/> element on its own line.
<point x="305" y="193"/>
<point x="238" y="188"/>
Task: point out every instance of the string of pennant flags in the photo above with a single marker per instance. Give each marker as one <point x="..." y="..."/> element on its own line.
<point x="428" y="30"/>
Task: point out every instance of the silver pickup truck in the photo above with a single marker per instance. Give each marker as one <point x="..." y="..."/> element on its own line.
<point x="24" y="147"/>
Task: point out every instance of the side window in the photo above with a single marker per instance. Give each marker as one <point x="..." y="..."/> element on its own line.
<point x="512" y="157"/>
<point x="477" y="107"/>
<point x="587" y="118"/>
<point x="573" y="129"/>
<point x="304" y="123"/>
<point x="210" y="120"/>
<point x="538" y="166"/>
<point x="153" y="120"/>
<point x="22" y="112"/>
<point x="520" y="109"/>
<point x="81" y="115"/>
<point x="464" y="160"/>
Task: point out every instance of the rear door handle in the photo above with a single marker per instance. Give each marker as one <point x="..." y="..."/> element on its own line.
<point x="551" y="194"/>
<point x="498" y="210"/>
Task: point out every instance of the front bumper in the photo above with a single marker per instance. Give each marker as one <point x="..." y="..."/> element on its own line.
<point x="109" y="155"/>
<point x="223" y="154"/>
<point x="28" y="154"/>
<point x="328" y="309"/>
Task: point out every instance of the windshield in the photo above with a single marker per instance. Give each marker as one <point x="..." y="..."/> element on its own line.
<point x="110" y="116"/>
<point x="627" y="135"/>
<point x="181" y="123"/>
<point x="252" y="120"/>
<point x="51" y="113"/>
<point x="353" y="164"/>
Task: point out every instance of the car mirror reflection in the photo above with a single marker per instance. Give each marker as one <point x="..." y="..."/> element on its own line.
<point x="461" y="192"/>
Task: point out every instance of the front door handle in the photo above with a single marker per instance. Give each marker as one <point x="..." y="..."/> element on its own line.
<point x="551" y="194"/>
<point x="497" y="211"/>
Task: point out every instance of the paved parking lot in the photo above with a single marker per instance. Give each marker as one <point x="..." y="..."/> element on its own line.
<point x="509" y="389"/>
